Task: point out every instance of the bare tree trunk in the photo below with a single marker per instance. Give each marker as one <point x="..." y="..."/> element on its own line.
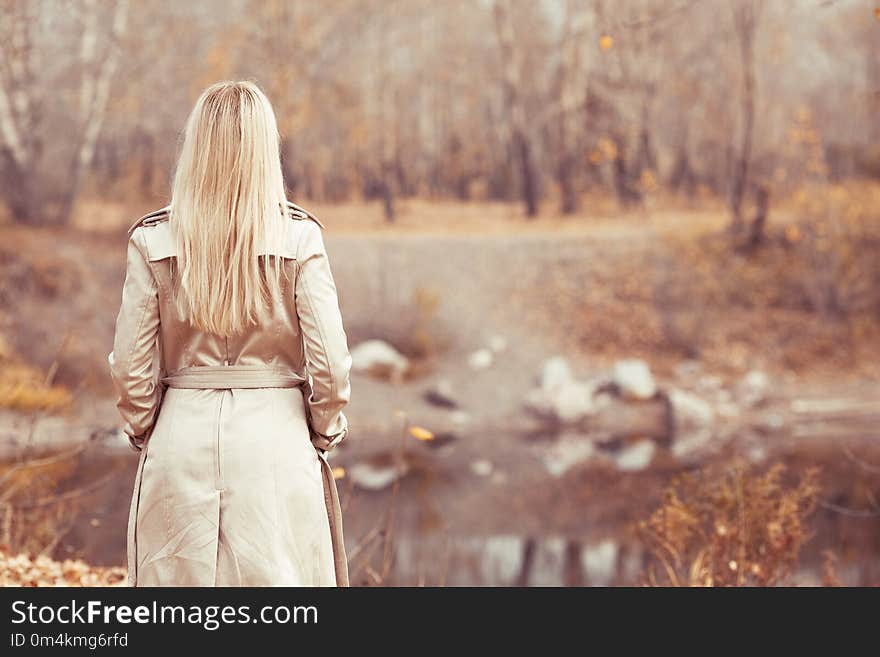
<point x="759" y="222"/>
<point x="627" y="193"/>
<point x="459" y="176"/>
<point x="872" y="84"/>
<point x="20" y="110"/>
<point x="388" y="189"/>
<point x="520" y="133"/>
<point x="528" y="178"/>
<point x="621" y="176"/>
<point x="94" y="94"/>
<point x="569" y="197"/>
<point x="683" y="178"/>
<point x="571" y="100"/>
<point x="387" y="145"/>
<point x="646" y="158"/>
<point x="745" y="20"/>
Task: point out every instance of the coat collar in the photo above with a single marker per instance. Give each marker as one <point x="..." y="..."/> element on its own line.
<point x="160" y="240"/>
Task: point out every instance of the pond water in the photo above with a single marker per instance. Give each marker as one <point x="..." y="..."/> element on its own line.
<point x="93" y="487"/>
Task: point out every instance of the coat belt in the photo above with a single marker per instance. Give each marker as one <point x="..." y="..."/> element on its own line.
<point x="227" y="377"/>
<point x="222" y="377"/>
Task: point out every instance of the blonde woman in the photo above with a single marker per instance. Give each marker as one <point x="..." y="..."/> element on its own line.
<point x="231" y="367"/>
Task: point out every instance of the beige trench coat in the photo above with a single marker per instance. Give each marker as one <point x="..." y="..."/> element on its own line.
<point x="233" y="487"/>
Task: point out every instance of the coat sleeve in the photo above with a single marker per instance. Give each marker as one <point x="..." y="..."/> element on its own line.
<point x="328" y="362"/>
<point x="134" y="359"/>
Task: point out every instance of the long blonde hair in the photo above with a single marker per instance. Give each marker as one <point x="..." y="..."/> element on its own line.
<point x="227" y="209"/>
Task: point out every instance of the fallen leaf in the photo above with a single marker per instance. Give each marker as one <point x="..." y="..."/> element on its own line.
<point x="420" y="433"/>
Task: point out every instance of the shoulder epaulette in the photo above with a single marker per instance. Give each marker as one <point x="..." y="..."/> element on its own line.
<point x="150" y="219"/>
<point x="297" y="212"/>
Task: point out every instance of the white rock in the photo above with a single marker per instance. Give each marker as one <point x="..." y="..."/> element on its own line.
<point x="635" y="457"/>
<point x="634" y="379"/>
<point x="370" y="476"/>
<point x="498" y="343"/>
<point x="573" y="402"/>
<point x="481" y="359"/>
<point x="754" y="388"/>
<point x="567" y="452"/>
<point x="568" y="403"/>
<point x="689" y="412"/>
<point x="560" y="397"/>
<point x="379" y="358"/>
<point x="540" y="403"/>
<point x="600" y="562"/>
<point x="555" y="373"/>
<point x="482" y="467"/>
<point x="442" y="394"/>
<point x="693" y="423"/>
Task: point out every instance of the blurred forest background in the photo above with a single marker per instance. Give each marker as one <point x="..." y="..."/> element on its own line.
<point x="464" y="100"/>
<point x="682" y="198"/>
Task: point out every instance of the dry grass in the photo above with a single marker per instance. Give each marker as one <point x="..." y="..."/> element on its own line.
<point x="730" y="526"/>
<point x="805" y="301"/>
<point x="44" y="497"/>
<point x="809" y="294"/>
<point x="24" y="388"/>
<point x="36" y="510"/>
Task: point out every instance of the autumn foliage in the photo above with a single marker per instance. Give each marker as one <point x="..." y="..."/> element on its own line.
<point x="23" y="570"/>
<point x="730" y="526"/>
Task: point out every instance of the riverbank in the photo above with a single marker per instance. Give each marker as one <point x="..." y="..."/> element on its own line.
<point x="478" y="314"/>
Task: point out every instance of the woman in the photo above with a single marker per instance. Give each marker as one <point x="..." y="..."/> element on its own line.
<point x="231" y="367"/>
